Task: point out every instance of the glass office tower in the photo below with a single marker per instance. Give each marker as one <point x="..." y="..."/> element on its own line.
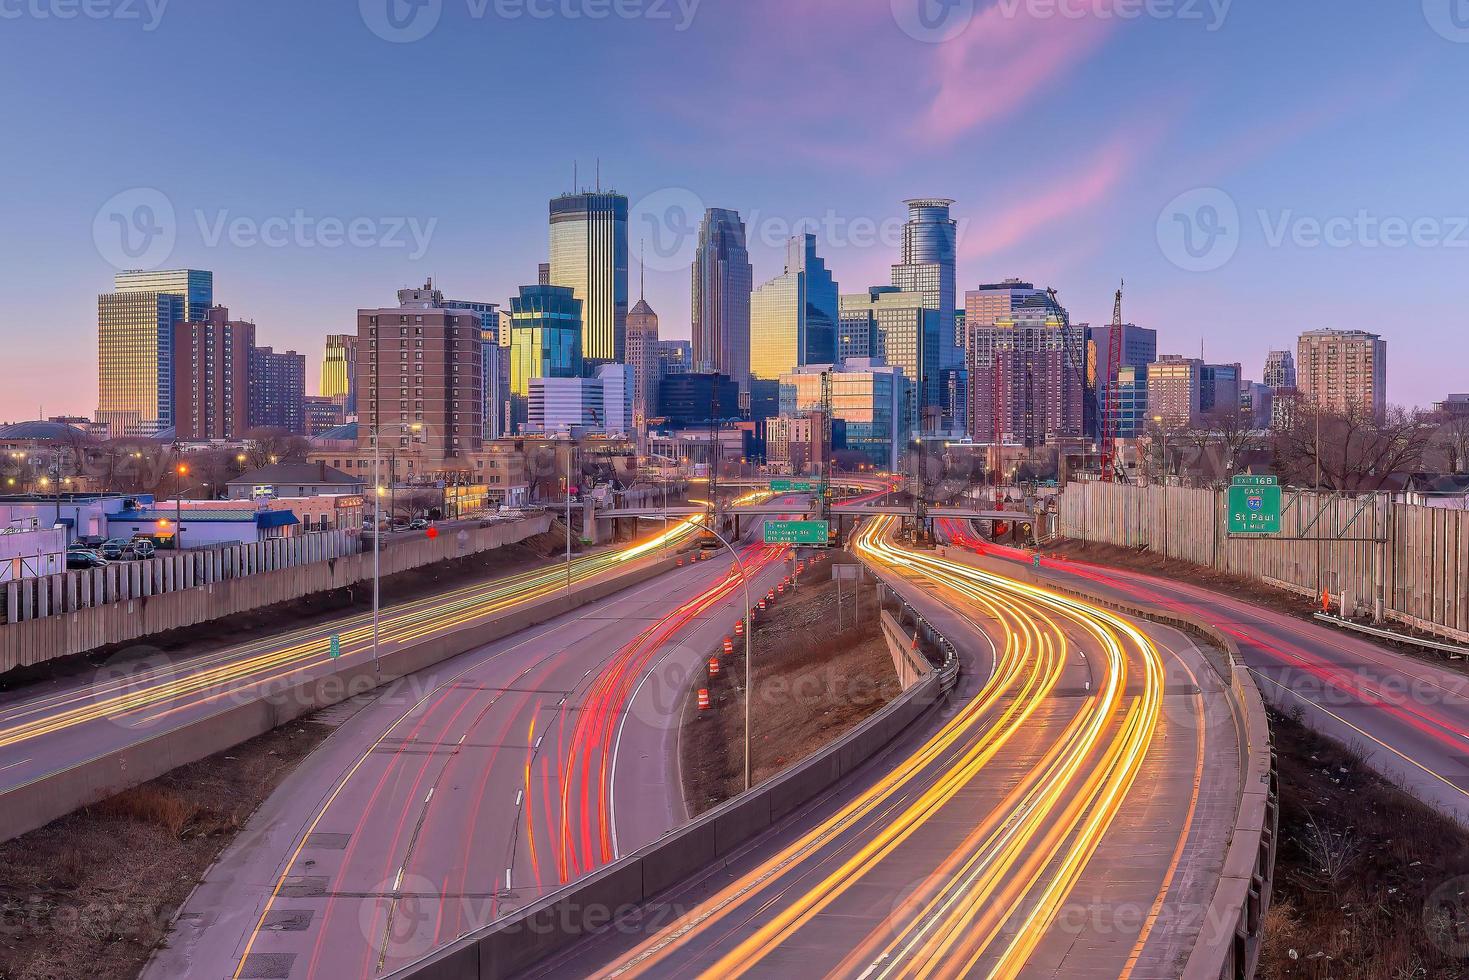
<point x="794" y="318"/>
<point x="722" y="281"/>
<point x="589" y="256"/>
<point x="135" y="361"/>
<point x="905" y="333"/>
<point x="339" y="371"/>
<point x="545" y="341"/>
<point x="194" y="286"/>
<point x="929" y="249"/>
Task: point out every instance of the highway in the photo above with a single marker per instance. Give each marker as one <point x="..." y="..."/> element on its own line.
<point x="462" y="793"/>
<point x="1059" y="818"/>
<point x="52" y="726"/>
<point x="1409" y="717"/>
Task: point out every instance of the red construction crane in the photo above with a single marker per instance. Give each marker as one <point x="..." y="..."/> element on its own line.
<point x="1111" y="420"/>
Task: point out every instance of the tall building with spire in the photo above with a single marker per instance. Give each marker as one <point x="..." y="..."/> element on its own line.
<point x="589" y="256"/>
<point x="643" y="358"/>
<point x="722" y="281"/>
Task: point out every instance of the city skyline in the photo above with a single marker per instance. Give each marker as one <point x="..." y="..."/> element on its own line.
<point x="1120" y="147"/>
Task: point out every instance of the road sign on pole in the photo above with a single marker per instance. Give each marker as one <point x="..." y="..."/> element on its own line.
<point x="791" y="486"/>
<point x="336" y="646"/>
<point x="1254" y="508"/>
<point x="798" y="532"/>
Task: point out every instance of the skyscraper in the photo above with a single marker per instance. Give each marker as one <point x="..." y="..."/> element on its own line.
<point x="1029" y="375"/>
<point x="1343" y="370"/>
<point x="277" y="390"/>
<point x="1280" y="371"/>
<point x="794" y="317"/>
<point x="722" y="282"/>
<point x="589" y="255"/>
<point x="1220" y="388"/>
<point x="643" y="361"/>
<point x="339" y="370"/>
<point x="982" y="307"/>
<point x="904" y="332"/>
<point x="419" y="383"/>
<point x="1175" y="391"/>
<point x="211" y="370"/>
<point x="135" y="326"/>
<point x="135" y="361"/>
<point x="545" y="341"/>
<point x="929" y="249"/>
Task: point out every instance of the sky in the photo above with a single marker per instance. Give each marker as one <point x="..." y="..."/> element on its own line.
<point x="1251" y="168"/>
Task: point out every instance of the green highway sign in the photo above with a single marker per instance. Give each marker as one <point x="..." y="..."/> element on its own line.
<point x="336" y="646"/>
<point x="797" y="532"/>
<point x="1254" y="509"/>
<point x="791" y="486"/>
<point x="1257" y="481"/>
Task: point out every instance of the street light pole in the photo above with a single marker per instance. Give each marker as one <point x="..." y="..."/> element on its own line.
<point x="377" y="543"/>
<point x="749" y="642"/>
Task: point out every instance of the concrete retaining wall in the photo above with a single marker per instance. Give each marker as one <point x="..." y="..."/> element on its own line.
<point x="589" y="904"/>
<point x="130" y="600"/>
<point x="39" y="802"/>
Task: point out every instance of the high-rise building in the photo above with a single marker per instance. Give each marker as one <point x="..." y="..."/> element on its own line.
<point x="601" y="404"/>
<point x="194" y="286"/>
<point x="723" y="280"/>
<point x="494" y="373"/>
<point x="695" y="399"/>
<point x="1280" y="371"/>
<point x="1256" y="404"/>
<point x="135" y="361"/>
<point x="675" y="357"/>
<point x="277" y="390"/>
<point x="589" y="255"/>
<point x="794" y="317"/>
<point x="643" y="360"/>
<point x="545" y="341"/>
<point x="929" y="251"/>
<point x="323" y="414"/>
<point x="869" y="398"/>
<point x="1343" y="371"/>
<point x="905" y="333"/>
<point x="135" y="325"/>
<point x="1029" y="375"/>
<point x="615" y="417"/>
<point x="1175" y="387"/>
<point x="982" y="307"/>
<point x="1132" y="401"/>
<point x="419" y="376"/>
<point x="1220" y="388"/>
<point x="858" y="331"/>
<point x="211" y="371"/>
<point x="339" y="371"/>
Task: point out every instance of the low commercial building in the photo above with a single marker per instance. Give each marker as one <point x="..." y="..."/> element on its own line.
<point x="203" y="527"/>
<point x="31" y="552"/>
<point x="293" y="479"/>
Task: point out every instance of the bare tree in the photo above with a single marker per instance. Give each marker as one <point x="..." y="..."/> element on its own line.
<point x="1351" y="452"/>
<point x="266" y="447"/>
<point x="1451" y="443"/>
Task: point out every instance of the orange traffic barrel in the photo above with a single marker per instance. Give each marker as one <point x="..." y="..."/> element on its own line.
<point x="713" y="666"/>
<point x="703" y="699"/>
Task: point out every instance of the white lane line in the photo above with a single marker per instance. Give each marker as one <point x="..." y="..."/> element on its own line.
<point x="507" y="879"/>
<point x="430" y="795"/>
<point x="398" y="881"/>
<point x="14" y="764"/>
<point x="519" y="795"/>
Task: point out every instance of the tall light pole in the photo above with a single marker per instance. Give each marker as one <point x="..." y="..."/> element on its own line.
<point x="180" y="471"/>
<point x="377" y="534"/>
<point x="749" y="642"/>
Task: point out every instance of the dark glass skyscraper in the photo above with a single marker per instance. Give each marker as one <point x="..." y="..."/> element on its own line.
<point x="589" y="256"/>
<point x="722" y="281"/>
<point x="794" y="317"/>
<point x="929" y="249"/>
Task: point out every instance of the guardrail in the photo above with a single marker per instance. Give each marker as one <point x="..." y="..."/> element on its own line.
<point x="515" y="943"/>
<point x="37" y="803"/>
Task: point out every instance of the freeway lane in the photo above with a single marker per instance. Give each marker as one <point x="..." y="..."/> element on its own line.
<point x="1071" y="809"/>
<point x="1410" y="718"/>
<point x="470" y="789"/>
<point x="52" y="727"/>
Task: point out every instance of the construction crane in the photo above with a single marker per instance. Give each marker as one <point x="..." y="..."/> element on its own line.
<point x="1111" y="420"/>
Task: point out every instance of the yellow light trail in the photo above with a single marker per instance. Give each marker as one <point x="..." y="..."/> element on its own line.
<point x="1022" y="858"/>
<point x="203" y="680"/>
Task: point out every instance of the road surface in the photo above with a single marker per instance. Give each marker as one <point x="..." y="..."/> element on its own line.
<point x="1066" y="816"/>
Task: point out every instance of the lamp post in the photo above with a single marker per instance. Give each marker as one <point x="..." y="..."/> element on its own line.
<point x="749" y="642"/>
<point x="377" y="533"/>
<point x="180" y="471"/>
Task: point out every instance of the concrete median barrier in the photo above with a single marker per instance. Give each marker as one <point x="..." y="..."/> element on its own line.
<point x="42" y="800"/>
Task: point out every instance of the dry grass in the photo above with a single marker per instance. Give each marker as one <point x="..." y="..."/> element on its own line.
<point x="1366" y="877"/>
<point x="813" y="682"/>
<point x="91" y="894"/>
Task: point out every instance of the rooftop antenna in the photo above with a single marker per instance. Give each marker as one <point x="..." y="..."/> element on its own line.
<point x="575" y="177"/>
<point x="599" y="175"/>
<point x="642" y="268"/>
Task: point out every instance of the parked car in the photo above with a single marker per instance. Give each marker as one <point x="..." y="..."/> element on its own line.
<point x="77" y="558"/>
<point x="139" y="550"/>
<point x="112" y="548"/>
<point x="418" y="524"/>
